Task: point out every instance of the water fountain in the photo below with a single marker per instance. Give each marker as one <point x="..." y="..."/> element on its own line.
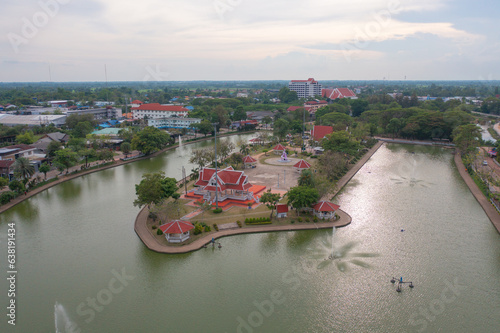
<point x="62" y="321"/>
<point x="181" y="149"/>
<point x="329" y="252"/>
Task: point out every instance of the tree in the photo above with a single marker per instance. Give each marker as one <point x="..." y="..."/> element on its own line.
<point x="105" y="155"/>
<point x="126" y="147"/>
<point x="26" y="138"/>
<point x="126" y="134"/>
<point x="467" y="137"/>
<point x="23" y="168"/>
<point x="81" y="129"/>
<point x="358" y="106"/>
<point x="76" y="144"/>
<point x="224" y="148"/>
<point x="394" y="126"/>
<point x="65" y="158"/>
<point x="244" y="149"/>
<point x="150" y="140"/>
<point x="44" y="168"/>
<point x="202" y="157"/>
<point x="300" y="197"/>
<point x="270" y="200"/>
<point x="239" y="114"/>
<point x="153" y="189"/>
<point x="306" y="178"/>
<point x="86" y="153"/>
<point x="281" y="128"/>
<point x="204" y="127"/>
<point x="341" y="142"/>
<point x="17" y="186"/>
<point x="52" y="148"/>
<point x="3" y="182"/>
<point x="267" y="120"/>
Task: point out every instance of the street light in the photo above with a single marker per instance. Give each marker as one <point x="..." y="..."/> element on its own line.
<point x="216" y="181"/>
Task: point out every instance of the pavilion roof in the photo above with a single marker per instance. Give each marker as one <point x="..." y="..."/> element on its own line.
<point x="325" y="206"/>
<point x="302" y="165"/>
<point x="176" y="227"/>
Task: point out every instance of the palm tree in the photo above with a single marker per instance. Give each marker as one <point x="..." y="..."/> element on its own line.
<point x="23" y="168"/>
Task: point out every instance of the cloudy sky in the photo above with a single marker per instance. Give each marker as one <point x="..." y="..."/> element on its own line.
<point x="176" y="40"/>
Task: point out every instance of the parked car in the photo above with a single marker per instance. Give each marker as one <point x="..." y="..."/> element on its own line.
<point x="485" y="162"/>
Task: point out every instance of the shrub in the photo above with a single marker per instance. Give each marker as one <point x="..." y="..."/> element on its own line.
<point x="6" y="197"/>
<point x="159" y="232"/>
<point x="152" y="216"/>
<point x="217" y="210"/>
<point x="154" y="227"/>
<point x="16" y="186"/>
<point x="198" y="229"/>
<point x="216" y="228"/>
<point x="307" y="220"/>
<point x="239" y="224"/>
<point x="292" y="221"/>
<point x="207" y="228"/>
<point x="299" y="219"/>
<point x="315" y="219"/>
<point x="314" y="156"/>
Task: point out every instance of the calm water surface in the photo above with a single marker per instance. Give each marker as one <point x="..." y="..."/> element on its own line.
<point x="74" y="239"/>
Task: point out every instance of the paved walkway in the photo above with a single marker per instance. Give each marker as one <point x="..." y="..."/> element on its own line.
<point x="347" y="177"/>
<point x="488" y="208"/>
<point x="64" y="178"/>
<point x="152" y="243"/>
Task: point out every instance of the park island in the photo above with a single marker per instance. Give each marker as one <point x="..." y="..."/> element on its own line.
<point x="271" y="190"/>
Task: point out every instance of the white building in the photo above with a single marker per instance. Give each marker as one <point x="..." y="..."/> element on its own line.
<point x="156" y="110"/>
<point x="305" y="88"/>
<point x="173" y="122"/>
<point x="33" y="120"/>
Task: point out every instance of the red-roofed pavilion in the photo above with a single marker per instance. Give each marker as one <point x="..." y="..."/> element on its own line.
<point x="302" y="165"/>
<point x="279" y="149"/>
<point x="325" y="210"/>
<point x="249" y="161"/>
<point x="176" y="231"/>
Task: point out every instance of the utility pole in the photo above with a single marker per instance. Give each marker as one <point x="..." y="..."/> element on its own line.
<point x="216" y="179"/>
<point x="303" y="130"/>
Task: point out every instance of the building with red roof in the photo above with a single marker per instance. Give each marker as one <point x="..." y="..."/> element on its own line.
<point x="302" y="165"/>
<point x="279" y="149"/>
<point x="157" y="110"/>
<point x="281" y="210"/>
<point x="338" y="93"/>
<point x="305" y="88"/>
<point x="229" y="183"/>
<point x="249" y="161"/>
<point x="319" y="132"/>
<point x="6" y="169"/>
<point x="325" y="210"/>
<point x="176" y="231"/>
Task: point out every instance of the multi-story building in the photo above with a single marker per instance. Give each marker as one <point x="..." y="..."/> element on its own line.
<point x="156" y="111"/>
<point x="305" y="88"/>
<point x="173" y="122"/>
<point x="99" y="114"/>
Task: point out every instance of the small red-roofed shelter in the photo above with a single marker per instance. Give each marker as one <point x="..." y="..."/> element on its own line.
<point x="325" y="210"/>
<point x="281" y="210"/>
<point x="249" y="162"/>
<point x="176" y="231"/>
<point x="279" y="149"/>
<point x="302" y="165"/>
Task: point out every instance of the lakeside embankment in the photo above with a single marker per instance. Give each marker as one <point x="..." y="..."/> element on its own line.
<point x="151" y="243"/>
<point x="71" y="176"/>
<point x="488" y="208"/>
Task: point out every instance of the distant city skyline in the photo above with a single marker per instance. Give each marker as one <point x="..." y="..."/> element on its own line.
<point x="174" y="40"/>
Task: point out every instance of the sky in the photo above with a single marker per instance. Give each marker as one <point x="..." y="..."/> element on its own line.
<point x="181" y="40"/>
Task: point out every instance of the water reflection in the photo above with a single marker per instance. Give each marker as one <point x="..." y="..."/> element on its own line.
<point x="26" y="211"/>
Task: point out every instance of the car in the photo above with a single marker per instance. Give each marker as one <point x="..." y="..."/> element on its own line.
<point x="485" y="162"/>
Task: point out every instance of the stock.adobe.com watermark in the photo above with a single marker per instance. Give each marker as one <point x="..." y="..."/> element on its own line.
<point x="87" y="310"/>
<point x="292" y="280"/>
<point x="437" y="306"/>
<point x="31" y="25"/>
<point x="371" y="30"/>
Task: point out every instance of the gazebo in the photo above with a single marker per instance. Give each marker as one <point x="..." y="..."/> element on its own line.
<point x="176" y="231"/>
<point x="279" y="149"/>
<point x="249" y="162"/>
<point x="302" y="165"/>
<point x="325" y="210"/>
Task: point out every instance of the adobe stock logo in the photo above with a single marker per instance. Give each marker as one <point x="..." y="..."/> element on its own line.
<point x="30" y="28"/>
